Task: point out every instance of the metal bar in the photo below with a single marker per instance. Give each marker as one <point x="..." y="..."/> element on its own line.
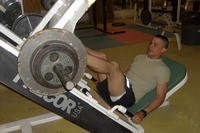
<point x="72" y="15"/>
<point x="7" y="32"/>
<point x="9" y="47"/>
<point x="178" y="11"/>
<point x="48" y="16"/>
<point x="63" y="77"/>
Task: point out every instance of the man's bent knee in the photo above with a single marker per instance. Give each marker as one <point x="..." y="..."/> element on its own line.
<point x="103" y="55"/>
<point x="115" y="66"/>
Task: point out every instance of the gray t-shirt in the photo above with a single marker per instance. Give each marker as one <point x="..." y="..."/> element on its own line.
<point x="145" y="73"/>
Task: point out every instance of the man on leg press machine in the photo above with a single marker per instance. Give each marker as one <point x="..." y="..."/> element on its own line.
<point x="46" y="58"/>
<point x="146" y="72"/>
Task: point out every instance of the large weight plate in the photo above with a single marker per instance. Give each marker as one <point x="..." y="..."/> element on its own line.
<point x="25" y="24"/>
<point x="13" y="11"/>
<point x="45" y="49"/>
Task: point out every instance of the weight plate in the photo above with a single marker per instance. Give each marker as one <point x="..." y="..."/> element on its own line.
<point x="145" y="16"/>
<point x="2" y="17"/>
<point x="25" y="24"/>
<point x="45" y="49"/>
<point x="47" y="4"/>
<point x="13" y="11"/>
<point x="7" y="3"/>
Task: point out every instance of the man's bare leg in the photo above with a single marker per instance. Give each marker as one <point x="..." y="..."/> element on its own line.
<point x="111" y="70"/>
<point x="100" y="55"/>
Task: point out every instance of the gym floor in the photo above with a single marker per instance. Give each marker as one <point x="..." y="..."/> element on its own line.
<point x="181" y="115"/>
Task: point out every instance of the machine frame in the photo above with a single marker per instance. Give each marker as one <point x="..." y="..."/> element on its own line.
<point x="63" y="15"/>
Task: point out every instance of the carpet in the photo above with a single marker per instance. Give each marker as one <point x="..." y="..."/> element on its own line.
<point x="130" y="36"/>
<point x="96" y="39"/>
<point x="148" y="30"/>
<point x="114" y="37"/>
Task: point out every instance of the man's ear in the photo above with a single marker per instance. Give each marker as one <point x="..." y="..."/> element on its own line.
<point x="163" y="50"/>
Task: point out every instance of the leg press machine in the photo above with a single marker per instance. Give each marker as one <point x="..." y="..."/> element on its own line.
<point x="48" y="67"/>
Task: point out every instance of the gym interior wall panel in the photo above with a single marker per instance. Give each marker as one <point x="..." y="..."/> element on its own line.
<point x="32" y="6"/>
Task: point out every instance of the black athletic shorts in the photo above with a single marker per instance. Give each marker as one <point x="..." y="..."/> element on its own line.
<point x="127" y="100"/>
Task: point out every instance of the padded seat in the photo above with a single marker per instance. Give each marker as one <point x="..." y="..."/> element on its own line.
<point x="178" y="78"/>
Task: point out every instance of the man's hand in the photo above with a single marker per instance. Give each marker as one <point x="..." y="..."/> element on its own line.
<point x="160" y="97"/>
<point x="138" y="117"/>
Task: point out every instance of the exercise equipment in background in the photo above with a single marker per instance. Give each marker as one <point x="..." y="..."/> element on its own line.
<point x="161" y="10"/>
<point x="12" y="10"/>
<point x="146" y="16"/>
<point x="190" y="29"/>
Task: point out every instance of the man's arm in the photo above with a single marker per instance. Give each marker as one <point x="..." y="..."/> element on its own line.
<point x="161" y="91"/>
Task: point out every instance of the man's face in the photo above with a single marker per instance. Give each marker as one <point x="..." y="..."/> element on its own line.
<point x="156" y="48"/>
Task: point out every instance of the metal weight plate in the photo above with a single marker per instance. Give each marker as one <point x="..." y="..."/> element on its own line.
<point x="25" y="24"/>
<point x="45" y="49"/>
<point x="2" y="17"/>
<point x="145" y="16"/>
<point x="47" y="4"/>
<point x="7" y="3"/>
<point x="13" y="11"/>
